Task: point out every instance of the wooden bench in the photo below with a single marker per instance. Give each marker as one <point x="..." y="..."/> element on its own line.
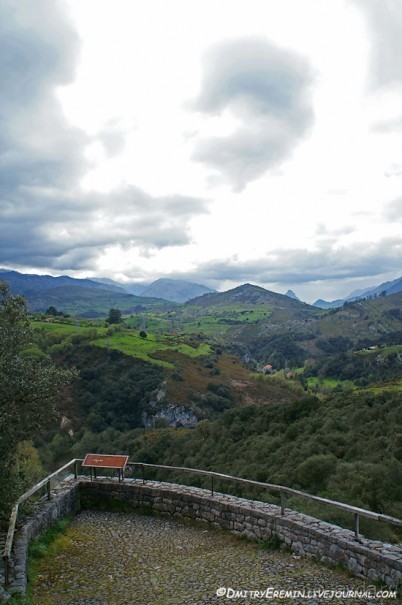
<point x="95" y="461"/>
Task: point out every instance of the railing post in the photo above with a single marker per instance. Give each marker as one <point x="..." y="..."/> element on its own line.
<point x="143" y="473"/>
<point x="6" y="570"/>
<point x="49" y="495"/>
<point x="283" y="502"/>
<point x="212" y="485"/>
<point x="357" y="526"/>
<point x="75" y="469"/>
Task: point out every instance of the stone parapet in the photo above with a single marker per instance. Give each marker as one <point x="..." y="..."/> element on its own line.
<point x="65" y="501"/>
<point x="304" y="535"/>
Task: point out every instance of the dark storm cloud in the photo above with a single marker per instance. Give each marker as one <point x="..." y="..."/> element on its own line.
<point x="267" y="89"/>
<point x="384" y="19"/>
<point x="37" y="53"/>
<point x="46" y="220"/>
<point x="302" y="266"/>
<point x="56" y="229"/>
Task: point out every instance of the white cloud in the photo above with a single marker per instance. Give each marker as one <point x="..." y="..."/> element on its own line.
<point x="268" y="89"/>
<point x="97" y="140"/>
<point x="384" y="18"/>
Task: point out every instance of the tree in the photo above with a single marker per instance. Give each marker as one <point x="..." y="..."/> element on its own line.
<point x="53" y="311"/>
<point x="114" y="316"/>
<point x="143" y="334"/>
<point x="29" y="390"/>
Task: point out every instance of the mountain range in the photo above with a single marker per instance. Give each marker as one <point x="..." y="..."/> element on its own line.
<point x="38" y="289"/>
<point x="175" y="290"/>
<point x="389" y="287"/>
<point x="31" y="285"/>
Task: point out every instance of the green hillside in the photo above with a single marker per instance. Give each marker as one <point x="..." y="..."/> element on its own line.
<point x="185" y="385"/>
<point x="89" y="302"/>
<point x="347" y="448"/>
<point x="354" y="326"/>
<point x="131" y="343"/>
<point x="224" y="315"/>
<point x="357" y="343"/>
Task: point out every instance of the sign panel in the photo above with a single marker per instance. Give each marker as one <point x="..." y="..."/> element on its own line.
<point x="105" y="461"/>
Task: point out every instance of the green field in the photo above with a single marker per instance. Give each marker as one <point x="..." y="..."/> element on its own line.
<point x="193" y="320"/>
<point x="392" y="386"/>
<point x="127" y="341"/>
<point x="67" y="329"/>
<point x="130" y="343"/>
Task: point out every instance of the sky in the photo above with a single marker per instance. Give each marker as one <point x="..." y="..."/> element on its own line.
<point x="221" y="142"/>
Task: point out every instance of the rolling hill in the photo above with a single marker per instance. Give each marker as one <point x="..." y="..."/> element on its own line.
<point x="357" y="325"/>
<point x="27" y="284"/>
<point x="175" y="290"/>
<point x="243" y="310"/>
<point x="89" y="302"/>
<point x="185" y="384"/>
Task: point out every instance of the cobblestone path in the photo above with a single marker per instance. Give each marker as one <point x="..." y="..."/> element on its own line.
<point x="122" y="559"/>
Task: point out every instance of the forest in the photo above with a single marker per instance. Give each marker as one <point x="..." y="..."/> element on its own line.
<point x="326" y="419"/>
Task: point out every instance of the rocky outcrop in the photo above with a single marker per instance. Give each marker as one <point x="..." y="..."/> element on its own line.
<point x="175" y="415"/>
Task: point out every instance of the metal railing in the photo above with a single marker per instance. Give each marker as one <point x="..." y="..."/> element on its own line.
<point x="14" y="513"/>
<point x="283" y="492"/>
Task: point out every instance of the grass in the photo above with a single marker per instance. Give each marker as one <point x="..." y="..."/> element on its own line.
<point x="131" y="343"/>
<point x="388" y="386"/>
<point x="128" y="341"/>
<point x="65" y="330"/>
<point x="274" y="543"/>
<point x="330" y="383"/>
<point x="62" y="329"/>
<point x="42" y="546"/>
<point x="39" y="548"/>
<point x="214" y="321"/>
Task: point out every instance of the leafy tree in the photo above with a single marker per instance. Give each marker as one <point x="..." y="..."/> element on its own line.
<point x="53" y="311"/>
<point x="313" y="474"/>
<point x="113" y="390"/>
<point x="30" y="387"/>
<point x="143" y="334"/>
<point x="114" y="316"/>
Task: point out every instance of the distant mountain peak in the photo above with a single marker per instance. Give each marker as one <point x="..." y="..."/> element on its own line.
<point x="248" y="295"/>
<point x="175" y="290"/>
<point x="389" y="287"/>
<point x="291" y="294"/>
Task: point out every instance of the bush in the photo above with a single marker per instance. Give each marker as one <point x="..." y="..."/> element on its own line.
<point x="314" y="473"/>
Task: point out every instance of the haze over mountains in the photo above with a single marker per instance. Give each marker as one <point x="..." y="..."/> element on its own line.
<point x="168" y="289"/>
<point x="175" y="290"/>
<point x="46" y="287"/>
<point x="390" y="287"/>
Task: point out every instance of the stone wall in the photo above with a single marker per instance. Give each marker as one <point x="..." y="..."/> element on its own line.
<point x="304" y="535"/>
<point x="65" y="501"/>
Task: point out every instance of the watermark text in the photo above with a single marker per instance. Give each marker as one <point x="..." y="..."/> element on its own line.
<point x="369" y="592"/>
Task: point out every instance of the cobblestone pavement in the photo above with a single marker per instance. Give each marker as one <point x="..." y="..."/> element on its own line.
<point x="122" y="559"/>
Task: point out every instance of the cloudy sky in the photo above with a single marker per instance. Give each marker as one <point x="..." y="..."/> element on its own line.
<point x="222" y="142"/>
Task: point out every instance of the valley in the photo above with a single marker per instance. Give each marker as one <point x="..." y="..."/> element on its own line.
<point x="247" y="382"/>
